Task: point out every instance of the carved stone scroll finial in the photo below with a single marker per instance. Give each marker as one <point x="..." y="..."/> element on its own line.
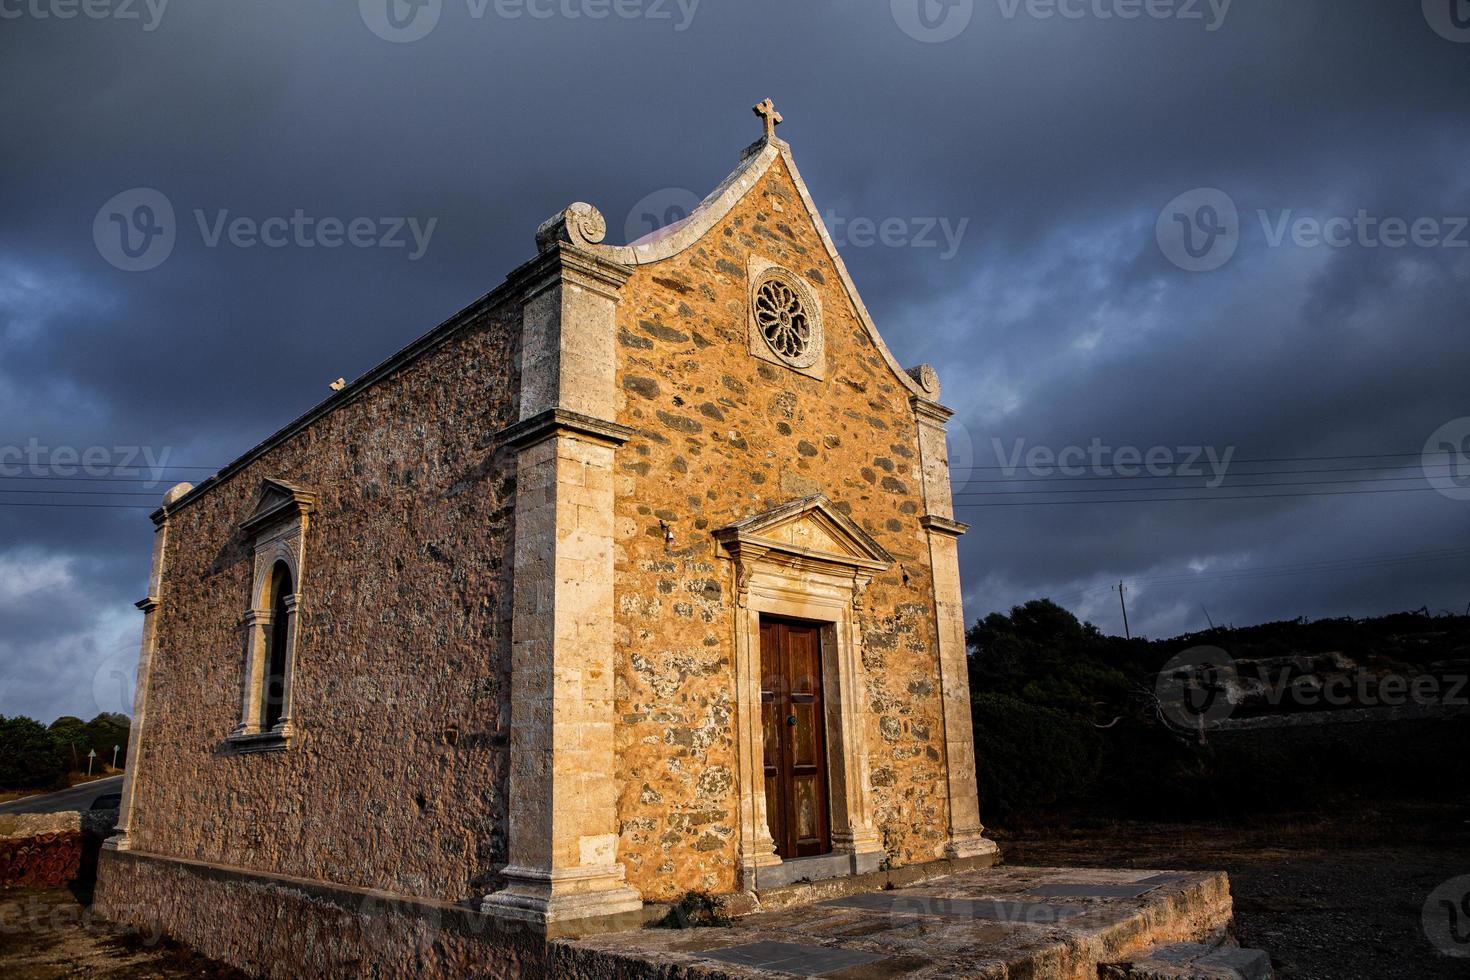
<point x="767" y="111"/>
<point x="928" y="380"/>
<point x="579" y="224"/>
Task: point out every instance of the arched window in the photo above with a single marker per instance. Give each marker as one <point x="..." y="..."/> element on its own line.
<point x="273" y="693"/>
<point x="275" y="534"/>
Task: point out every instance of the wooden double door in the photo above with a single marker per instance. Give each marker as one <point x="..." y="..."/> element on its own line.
<point x="794" y="728"/>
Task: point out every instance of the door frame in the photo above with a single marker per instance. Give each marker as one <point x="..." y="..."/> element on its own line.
<point x="776" y="576"/>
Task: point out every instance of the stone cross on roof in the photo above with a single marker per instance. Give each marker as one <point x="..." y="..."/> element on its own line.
<point x="767" y="111"/>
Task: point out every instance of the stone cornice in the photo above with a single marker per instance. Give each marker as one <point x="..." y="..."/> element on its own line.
<point x="943" y="525"/>
<point x="566" y="262"/>
<point x="559" y="421"/>
<point x="147" y="604"/>
<point x="930" y="411"/>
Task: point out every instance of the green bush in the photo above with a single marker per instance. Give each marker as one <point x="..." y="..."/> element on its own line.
<point x="30" y="756"/>
<point x="1029" y="757"/>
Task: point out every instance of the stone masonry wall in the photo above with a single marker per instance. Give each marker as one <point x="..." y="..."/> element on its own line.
<point x="279" y="928"/>
<point x="396" y="779"/>
<point x="722" y="435"/>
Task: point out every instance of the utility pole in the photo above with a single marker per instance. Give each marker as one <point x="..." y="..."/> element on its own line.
<point x="1122" y="591"/>
<point x="1207" y="617"/>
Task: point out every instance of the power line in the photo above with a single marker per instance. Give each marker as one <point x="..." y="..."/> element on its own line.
<point x="1232" y="486"/>
<point x="1225" y="475"/>
<point x="28" y="503"/>
<point x="148" y="481"/>
<point x="1166" y="500"/>
<point x="92" y="493"/>
<point x="1291" y="568"/>
<point x="1270" y="459"/>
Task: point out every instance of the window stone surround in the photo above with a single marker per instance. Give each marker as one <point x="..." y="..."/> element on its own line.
<point x="277" y="530"/>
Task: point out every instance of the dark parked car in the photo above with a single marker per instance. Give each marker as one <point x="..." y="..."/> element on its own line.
<point x="107" y="801"/>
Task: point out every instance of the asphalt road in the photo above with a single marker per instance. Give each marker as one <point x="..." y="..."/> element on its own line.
<point x="76" y="798"/>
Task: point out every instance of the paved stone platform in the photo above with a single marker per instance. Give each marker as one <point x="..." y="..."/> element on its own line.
<point x="1039" y="923"/>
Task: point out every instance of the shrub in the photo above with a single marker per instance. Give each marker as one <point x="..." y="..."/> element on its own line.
<point x="30" y="756"/>
<point x="1029" y="756"/>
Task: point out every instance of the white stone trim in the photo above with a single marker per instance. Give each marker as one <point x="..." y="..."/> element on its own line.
<point x="279" y="526"/>
<point x="122" y="840"/>
<point x="813" y="363"/>
<point x="773" y="577"/>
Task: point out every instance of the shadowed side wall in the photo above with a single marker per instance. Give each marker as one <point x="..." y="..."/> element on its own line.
<point x="396" y="777"/>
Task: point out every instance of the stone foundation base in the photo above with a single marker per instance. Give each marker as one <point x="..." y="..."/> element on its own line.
<point x="276" y="926"/>
<point x="272" y="926"/>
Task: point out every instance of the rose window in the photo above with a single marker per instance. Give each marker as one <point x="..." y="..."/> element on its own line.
<point x="783" y="319"/>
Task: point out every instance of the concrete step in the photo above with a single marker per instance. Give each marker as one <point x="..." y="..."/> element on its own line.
<point x="1190" y="961"/>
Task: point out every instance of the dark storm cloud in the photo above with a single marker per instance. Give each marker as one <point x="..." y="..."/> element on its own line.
<point x="1050" y="142"/>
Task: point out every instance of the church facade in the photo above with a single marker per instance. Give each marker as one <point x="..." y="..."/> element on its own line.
<point x="636" y="577"/>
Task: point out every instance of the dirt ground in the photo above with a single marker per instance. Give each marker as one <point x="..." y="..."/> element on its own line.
<point x="1337" y="896"/>
<point x="49" y="934"/>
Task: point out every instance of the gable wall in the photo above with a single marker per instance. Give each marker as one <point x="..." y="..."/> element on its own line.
<point x="723" y="435"/>
<point x="396" y="778"/>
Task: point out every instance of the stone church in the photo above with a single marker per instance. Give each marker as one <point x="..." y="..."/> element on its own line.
<point x="636" y="577"/>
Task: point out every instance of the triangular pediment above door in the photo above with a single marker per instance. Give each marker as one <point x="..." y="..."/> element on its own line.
<point x="810" y="527"/>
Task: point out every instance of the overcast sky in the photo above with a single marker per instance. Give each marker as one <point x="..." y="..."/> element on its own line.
<point x="1004" y="179"/>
